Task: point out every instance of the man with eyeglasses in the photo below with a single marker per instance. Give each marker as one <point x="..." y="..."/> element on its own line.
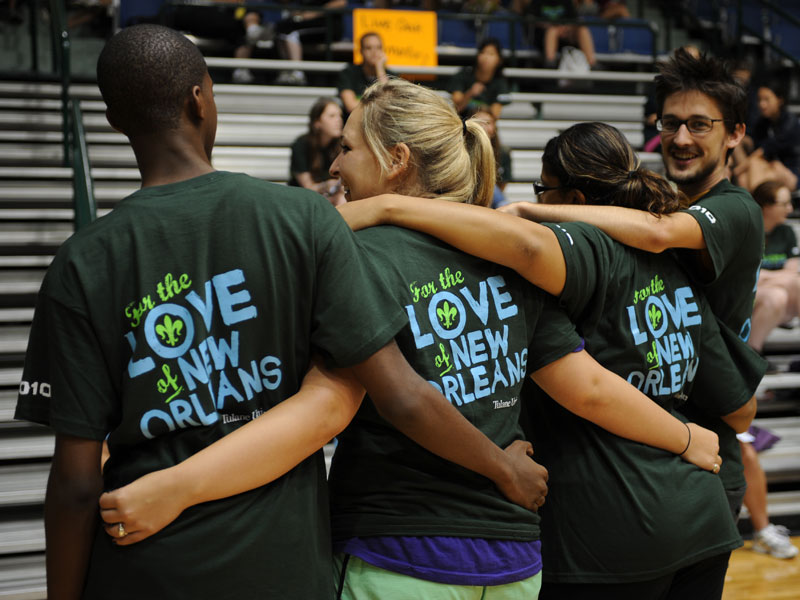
<point x="702" y="111"/>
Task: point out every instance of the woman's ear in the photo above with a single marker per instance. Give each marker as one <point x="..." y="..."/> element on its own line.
<point x="401" y="157"/>
<point x="573" y="196"/>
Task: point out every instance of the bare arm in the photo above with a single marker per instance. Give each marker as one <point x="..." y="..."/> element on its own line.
<point x="252" y="456"/>
<point x="584" y="387"/>
<point x="632" y="227"/>
<point x="739" y="420"/>
<point x="420" y="412"/>
<point x="530" y="249"/>
<point x="70" y="514"/>
<point x="349" y="100"/>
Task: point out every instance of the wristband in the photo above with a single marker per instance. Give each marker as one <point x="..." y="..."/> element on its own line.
<point x="689" y="441"/>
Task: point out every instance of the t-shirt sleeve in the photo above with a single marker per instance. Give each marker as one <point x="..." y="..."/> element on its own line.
<point x="729" y="370"/>
<point x="587" y="254"/>
<point x="554" y="336"/>
<point x="726" y="221"/>
<point x="500" y="91"/>
<point x="65" y="382"/>
<point x="345" y="81"/>
<point x="300" y="160"/>
<point x="355" y="315"/>
<point x="459" y="82"/>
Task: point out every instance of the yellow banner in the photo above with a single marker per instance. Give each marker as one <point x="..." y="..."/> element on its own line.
<point x="409" y="36"/>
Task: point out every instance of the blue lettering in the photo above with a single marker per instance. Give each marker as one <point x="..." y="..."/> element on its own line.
<point x="144" y="423"/>
<point x="421" y="341"/>
<point x="497" y="342"/>
<point x="227" y="299"/>
<point x="638" y="336"/>
<point x="481" y="381"/>
<point x="182" y="413"/>
<point x="190" y="372"/>
<point x="689" y="309"/>
<point x="251" y="381"/>
<point x="450" y="389"/>
<point x="477" y="349"/>
<point x="503" y="312"/>
<point x="205" y="418"/>
<point x="139" y="367"/>
<point x="465" y="397"/>
<point x="460" y="353"/>
<point x="219" y="352"/>
<point x="656" y="330"/>
<point x="205" y="308"/>
<point x="499" y="376"/>
<point x="272" y="376"/>
<point x="225" y="390"/>
<point x="481" y="307"/>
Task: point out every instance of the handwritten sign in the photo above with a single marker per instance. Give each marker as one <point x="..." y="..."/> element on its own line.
<point x="409" y="36"/>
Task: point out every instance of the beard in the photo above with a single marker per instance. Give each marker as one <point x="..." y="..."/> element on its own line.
<point x="689" y="178"/>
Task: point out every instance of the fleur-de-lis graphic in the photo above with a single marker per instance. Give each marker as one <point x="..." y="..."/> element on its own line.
<point x="655" y="316"/>
<point x="447" y="314"/>
<point x="169" y="330"/>
<point x="652" y="357"/>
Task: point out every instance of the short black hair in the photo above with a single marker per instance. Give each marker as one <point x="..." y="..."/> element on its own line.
<point x="707" y="75"/>
<point x="145" y="73"/>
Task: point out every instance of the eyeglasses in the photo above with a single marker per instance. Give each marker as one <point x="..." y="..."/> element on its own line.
<point x="539" y="188"/>
<point x="695" y="125"/>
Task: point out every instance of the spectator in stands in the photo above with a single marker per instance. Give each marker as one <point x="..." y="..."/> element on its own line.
<point x="482" y="84"/>
<point x="778" y="289"/>
<point x="772" y="150"/>
<point x="354" y="79"/>
<point x="767" y="538"/>
<point x="314" y="151"/>
<point x="604" y="9"/>
<point x="302" y="27"/>
<point x="502" y="154"/>
<point x="254" y="31"/>
<point x="555" y="34"/>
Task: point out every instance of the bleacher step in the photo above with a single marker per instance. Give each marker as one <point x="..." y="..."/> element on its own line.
<point x="23" y="484"/>
<point x="23" y="577"/>
<point x="20" y="536"/>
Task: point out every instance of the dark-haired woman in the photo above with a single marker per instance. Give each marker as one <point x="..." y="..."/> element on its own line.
<point x="482" y="84"/>
<point x="774" y="143"/>
<point x="621" y="520"/>
<point x="314" y="151"/>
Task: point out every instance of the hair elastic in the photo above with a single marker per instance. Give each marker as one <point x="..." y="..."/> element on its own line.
<point x="464" y="128"/>
<point x="632" y="174"/>
<point x="688" y="442"/>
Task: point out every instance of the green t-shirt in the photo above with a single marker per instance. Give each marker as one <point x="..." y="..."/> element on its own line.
<point x="733" y="229"/>
<point x="463" y="80"/>
<point x="475" y="331"/>
<point x="780" y="245"/>
<point x="187" y="311"/>
<point x="618" y="511"/>
<point x="352" y="77"/>
<point x="301" y="161"/>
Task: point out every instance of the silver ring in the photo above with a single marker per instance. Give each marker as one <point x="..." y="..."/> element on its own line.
<point x="715" y="470"/>
<point x="121" y="533"/>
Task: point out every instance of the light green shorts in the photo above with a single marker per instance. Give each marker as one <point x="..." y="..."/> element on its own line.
<point x="363" y="581"/>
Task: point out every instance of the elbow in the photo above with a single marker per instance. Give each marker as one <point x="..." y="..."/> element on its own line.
<point x="741" y="420"/>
